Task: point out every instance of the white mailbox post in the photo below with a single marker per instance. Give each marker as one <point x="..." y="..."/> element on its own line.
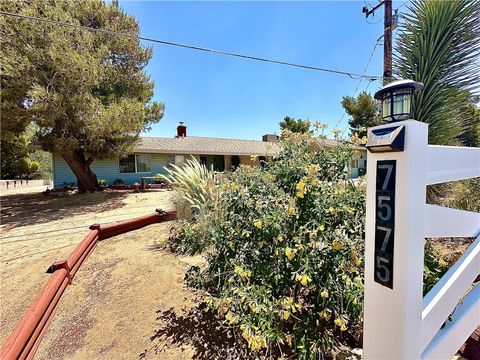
<point x="399" y="323"/>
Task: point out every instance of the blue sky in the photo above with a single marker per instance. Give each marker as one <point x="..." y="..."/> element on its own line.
<point x="221" y="96"/>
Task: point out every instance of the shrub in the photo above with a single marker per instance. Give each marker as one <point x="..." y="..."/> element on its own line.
<point x="157" y="179"/>
<point x="102" y="182"/>
<point x="285" y="245"/>
<point x="434" y="267"/>
<point x="118" y="182"/>
<point x="194" y="184"/>
<point x="464" y="195"/>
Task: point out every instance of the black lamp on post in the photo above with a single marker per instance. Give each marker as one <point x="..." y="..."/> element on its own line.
<point x="396" y="99"/>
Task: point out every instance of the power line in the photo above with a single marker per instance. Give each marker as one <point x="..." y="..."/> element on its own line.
<point x="346" y="127"/>
<point x="359" y="82"/>
<point x="63" y="231"/>
<point x="191" y="47"/>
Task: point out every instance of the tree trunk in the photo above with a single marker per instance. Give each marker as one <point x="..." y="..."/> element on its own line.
<point x="80" y="166"/>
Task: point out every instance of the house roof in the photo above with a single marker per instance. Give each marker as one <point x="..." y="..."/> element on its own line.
<point x="206" y="146"/>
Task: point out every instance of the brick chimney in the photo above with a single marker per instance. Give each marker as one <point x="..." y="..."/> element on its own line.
<point x="181" y="130"/>
<point x="270" y="138"/>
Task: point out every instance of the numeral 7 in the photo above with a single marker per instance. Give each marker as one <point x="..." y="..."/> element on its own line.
<point x="389" y="169"/>
<point x="388" y="231"/>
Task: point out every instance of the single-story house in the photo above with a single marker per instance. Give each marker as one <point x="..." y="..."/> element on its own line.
<point x="153" y="154"/>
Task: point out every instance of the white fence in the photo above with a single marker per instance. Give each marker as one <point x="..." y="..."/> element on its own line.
<point x="22" y="183"/>
<point x="399" y="323"/>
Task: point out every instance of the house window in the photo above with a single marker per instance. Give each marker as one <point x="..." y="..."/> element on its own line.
<point x="144" y="163"/>
<point x="354" y="163"/>
<point x="170" y="160"/>
<point x="203" y="160"/>
<point x="127" y="164"/>
<point x="139" y="163"/>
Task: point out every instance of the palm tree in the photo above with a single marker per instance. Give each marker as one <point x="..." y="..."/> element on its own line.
<point x="439" y="45"/>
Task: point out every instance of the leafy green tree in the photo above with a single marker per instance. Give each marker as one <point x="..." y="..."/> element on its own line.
<point x="44" y="161"/>
<point x="295" y="125"/>
<point x="364" y="112"/>
<point x="20" y="161"/>
<point x="15" y="160"/>
<point x="439" y="45"/>
<point x="87" y="92"/>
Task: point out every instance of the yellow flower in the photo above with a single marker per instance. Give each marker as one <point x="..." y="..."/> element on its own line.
<point x="290" y="253"/>
<point x="258" y="224"/>
<point x="331" y="210"/>
<point x="231" y="245"/>
<point x="343" y="327"/>
<point x="325" y="314"/>
<point x="242" y="273"/>
<point x="321" y="228"/>
<point x="300" y="186"/>
<point x="290" y="210"/>
<point x="289" y="339"/>
<point x="337" y="245"/>
<point x="324" y="294"/>
<point x="231" y="318"/>
<point x="303" y="279"/>
<point x="286" y="315"/>
<point x="300" y="194"/>
<point x="339" y="322"/>
<point x="355" y="259"/>
<point x="280" y="238"/>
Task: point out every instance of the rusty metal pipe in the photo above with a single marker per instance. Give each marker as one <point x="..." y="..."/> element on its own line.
<point x="20" y="342"/>
<point x="79" y="251"/>
<point x="26" y="337"/>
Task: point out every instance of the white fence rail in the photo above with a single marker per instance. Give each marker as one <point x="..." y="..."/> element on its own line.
<point x="399" y="323"/>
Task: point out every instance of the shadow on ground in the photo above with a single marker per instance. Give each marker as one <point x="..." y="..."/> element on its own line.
<point x="199" y="329"/>
<point x="35" y="208"/>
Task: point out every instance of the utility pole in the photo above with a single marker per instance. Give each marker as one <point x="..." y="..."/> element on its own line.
<point x="387" y="37"/>
<point x="387" y="42"/>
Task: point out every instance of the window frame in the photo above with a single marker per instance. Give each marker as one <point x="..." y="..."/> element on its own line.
<point x="136" y="168"/>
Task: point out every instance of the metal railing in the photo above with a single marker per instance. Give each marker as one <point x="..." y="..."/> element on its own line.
<point x="26" y="337"/>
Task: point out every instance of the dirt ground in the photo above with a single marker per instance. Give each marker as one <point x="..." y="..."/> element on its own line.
<point x="128" y="299"/>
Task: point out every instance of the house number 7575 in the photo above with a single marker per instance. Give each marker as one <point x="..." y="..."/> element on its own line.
<point x="385" y="222"/>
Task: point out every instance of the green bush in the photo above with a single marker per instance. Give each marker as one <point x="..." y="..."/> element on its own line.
<point x="158" y="179"/>
<point x="102" y="182"/>
<point x="284" y="249"/>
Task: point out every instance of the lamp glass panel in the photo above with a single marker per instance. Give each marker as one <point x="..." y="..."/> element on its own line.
<point x="401" y="105"/>
<point x="386" y="106"/>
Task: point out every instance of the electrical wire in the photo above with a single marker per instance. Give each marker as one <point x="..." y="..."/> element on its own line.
<point x="40" y="252"/>
<point x="191" y="47"/>
<point x="346" y="127"/>
<point x="375" y="22"/>
<point x="358" y="85"/>
<point x="64" y="230"/>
